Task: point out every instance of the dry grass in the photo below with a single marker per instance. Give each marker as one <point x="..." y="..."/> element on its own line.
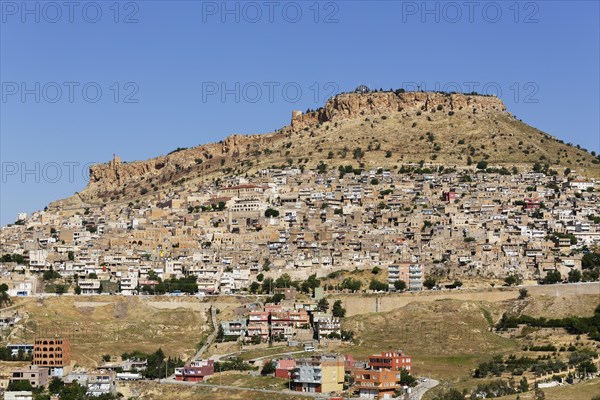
<point x="246" y="380"/>
<point x="446" y="338"/>
<point x="100" y="325"/>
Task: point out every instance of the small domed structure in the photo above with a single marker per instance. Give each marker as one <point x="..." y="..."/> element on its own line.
<point x="362" y="89"/>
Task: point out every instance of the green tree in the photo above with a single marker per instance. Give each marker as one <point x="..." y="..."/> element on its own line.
<point x="323" y="305"/>
<point x="337" y="310"/>
<point x="351" y="284"/>
<point x="482" y="165"/>
<point x="522" y="293"/>
<point x="590" y="260"/>
<point x="574" y="275"/>
<point x="220" y="334"/>
<point x="400" y="285"/>
<point x="429" y="282"/>
<point x="56" y="385"/>
<point x="512" y="280"/>
<point x="523" y="385"/>
<point x="60" y="289"/>
<point x="19" y="386"/>
<point x="271" y="212"/>
<point x="267" y="285"/>
<point x="358" y="153"/>
<point x="284" y="281"/>
<point x="254" y="287"/>
<point x="50" y="275"/>
<point x="552" y="277"/>
<point x="275" y="299"/>
<point x="5" y="298"/>
<point x="586" y="367"/>
<point x="378" y="286"/>
<point x="322" y="168"/>
<point x="406" y="378"/>
<point x="268" y="368"/>
<point x="310" y="284"/>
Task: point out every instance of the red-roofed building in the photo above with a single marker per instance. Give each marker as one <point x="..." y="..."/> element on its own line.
<point x="195" y="371"/>
<point x="284" y="368"/>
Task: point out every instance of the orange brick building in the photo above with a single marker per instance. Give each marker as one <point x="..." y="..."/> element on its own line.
<point x="52" y="352"/>
<point x="381" y="379"/>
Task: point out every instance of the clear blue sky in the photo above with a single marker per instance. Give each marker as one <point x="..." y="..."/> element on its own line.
<point x="175" y="56"/>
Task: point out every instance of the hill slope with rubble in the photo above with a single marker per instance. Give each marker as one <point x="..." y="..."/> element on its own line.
<point x="375" y="130"/>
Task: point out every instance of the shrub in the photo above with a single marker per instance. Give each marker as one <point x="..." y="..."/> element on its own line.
<point x="378" y="286"/>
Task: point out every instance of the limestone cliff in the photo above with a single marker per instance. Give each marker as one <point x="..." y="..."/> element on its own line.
<point x="356" y="105"/>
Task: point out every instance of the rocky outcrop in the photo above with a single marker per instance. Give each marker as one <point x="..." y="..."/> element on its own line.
<point x="116" y="172"/>
<point x="356" y="105"/>
<point x="114" y="175"/>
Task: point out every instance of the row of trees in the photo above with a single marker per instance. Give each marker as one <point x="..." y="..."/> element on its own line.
<point x="72" y="391"/>
<point x="159" y="366"/>
<point x="267" y="285"/>
<point x="337" y="310"/>
<point x="6" y="355"/>
<point x="491" y="389"/>
<point x="184" y="285"/>
<point x="573" y="325"/>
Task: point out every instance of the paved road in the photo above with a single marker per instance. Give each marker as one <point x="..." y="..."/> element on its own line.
<point x="417" y="393"/>
<point x="212" y="336"/>
<point x="419" y="390"/>
<point x="210" y="385"/>
<point x="219" y="357"/>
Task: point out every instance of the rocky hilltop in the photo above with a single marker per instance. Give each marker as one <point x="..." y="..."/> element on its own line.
<point x="355" y="105"/>
<point x="375" y="129"/>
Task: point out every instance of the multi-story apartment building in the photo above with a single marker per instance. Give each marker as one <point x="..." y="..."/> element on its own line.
<point x="37" y="376"/>
<point x="53" y="353"/>
<point x="89" y="286"/>
<point x="382" y="376"/>
<point x="411" y="273"/>
<point x="319" y="374"/>
<point x="234" y="328"/>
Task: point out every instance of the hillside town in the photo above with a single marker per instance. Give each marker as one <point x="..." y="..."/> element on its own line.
<point x="412" y="222"/>
<point x="290" y="237"/>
